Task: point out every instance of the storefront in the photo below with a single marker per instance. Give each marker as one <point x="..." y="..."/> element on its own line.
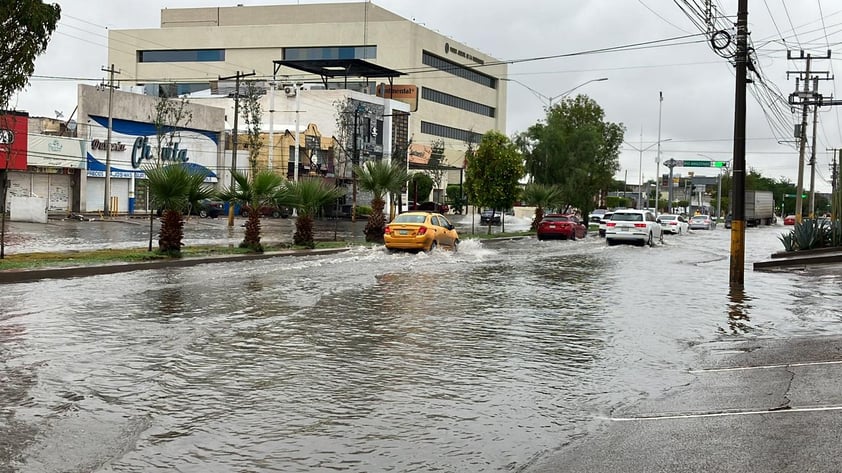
<point x="136" y="143"/>
<point x="53" y="172"/>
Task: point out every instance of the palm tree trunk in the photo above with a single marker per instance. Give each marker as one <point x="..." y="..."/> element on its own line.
<point x="304" y="232"/>
<point x="251" y="239"/>
<point x="376" y="222"/>
<point x="172" y="233"/>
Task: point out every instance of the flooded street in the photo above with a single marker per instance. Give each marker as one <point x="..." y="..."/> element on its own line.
<point x="481" y="360"/>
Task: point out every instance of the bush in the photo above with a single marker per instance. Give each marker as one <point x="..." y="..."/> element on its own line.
<point x="363" y="210"/>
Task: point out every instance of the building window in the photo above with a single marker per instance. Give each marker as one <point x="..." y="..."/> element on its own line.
<point x="445" y="131"/>
<point x="337" y="52"/>
<point x="181" y="55"/>
<point x="457" y="102"/>
<point x="458" y="70"/>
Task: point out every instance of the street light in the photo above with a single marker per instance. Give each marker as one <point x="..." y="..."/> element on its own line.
<point x="640" y="175"/>
<point x="550" y="99"/>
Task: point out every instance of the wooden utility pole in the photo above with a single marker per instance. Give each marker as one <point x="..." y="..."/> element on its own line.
<point x="808" y="98"/>
<point x="738" y="230"/>
<point x="239" y="75"/>
<point x="106" y="206"/>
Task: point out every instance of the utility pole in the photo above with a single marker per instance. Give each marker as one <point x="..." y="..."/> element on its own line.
<point x="239" y="75"/>
<point x="738" y="231"/>
<point x="836" y="196"/>
<point x="355" y="161"/>
<point x="106" y="207"/>
<point x="807" y="98"/>
<point x="813" y="161"/>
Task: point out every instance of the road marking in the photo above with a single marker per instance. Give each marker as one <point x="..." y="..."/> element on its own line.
<point x="766" y="367"/>
<point x="725" y="414"/>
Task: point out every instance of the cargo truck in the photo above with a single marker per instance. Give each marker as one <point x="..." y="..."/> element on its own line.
<point x="760" y="208"/>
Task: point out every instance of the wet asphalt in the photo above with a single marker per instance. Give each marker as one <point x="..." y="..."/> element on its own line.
<point x="767" y="405"/>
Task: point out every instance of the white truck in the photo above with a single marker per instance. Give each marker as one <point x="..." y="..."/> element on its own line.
<point x="760" y="208"/>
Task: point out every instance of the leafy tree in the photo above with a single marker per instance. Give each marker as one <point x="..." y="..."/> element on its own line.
<point x="171" y="188"/>
<point x="493" y="173"/>
<point x="26" y="27"/>
<point x="252" y="115"/>
<point x="575" y="149"/>
<point x="379" y="178"/>
<point x="252" y="194"/>
<point x="542" y="196"/>
<point x="420" y="186"/>
<point x="435" y="169"/>
<point x="307" y="196"/>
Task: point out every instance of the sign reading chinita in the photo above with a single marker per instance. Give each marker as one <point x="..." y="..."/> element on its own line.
<point x="135" y="143"/>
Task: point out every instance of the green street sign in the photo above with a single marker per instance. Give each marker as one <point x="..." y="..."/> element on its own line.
<point x="803" y="196"/>
<point x="720" y="164"/>
<point x="696" y="164"/>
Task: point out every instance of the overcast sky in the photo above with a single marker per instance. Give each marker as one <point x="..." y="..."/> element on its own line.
<point x="697" y="84"/>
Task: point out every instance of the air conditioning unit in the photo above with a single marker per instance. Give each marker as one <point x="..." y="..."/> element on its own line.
<point x="290" y="90"/>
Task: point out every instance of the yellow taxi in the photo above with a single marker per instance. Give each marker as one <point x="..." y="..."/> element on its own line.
<point x="420" y="231"/>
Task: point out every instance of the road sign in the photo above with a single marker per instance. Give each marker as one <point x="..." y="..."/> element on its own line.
<point x="696" y="164"/>
<point x="803" y="196"/>
<point x="720" y="164"/>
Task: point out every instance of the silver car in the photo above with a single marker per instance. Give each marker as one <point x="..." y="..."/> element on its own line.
<point x="633" y="226"/>
<point x="702" y="222"/>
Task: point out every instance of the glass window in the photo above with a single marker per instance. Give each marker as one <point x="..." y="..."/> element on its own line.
<point x="335" y="52"/>
<point x="458" y="70"/>
<point x="449" y="132"/>
<point x="457" y="102"/>
<point x="181" y="55"/>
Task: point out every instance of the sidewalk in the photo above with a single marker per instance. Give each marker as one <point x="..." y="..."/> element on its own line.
<point x="753" y="406"/>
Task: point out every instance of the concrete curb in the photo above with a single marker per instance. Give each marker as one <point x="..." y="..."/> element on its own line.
<point x="13" y="276"/>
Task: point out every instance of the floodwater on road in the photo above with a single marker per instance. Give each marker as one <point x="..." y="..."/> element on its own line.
<point x="480" y="360"/>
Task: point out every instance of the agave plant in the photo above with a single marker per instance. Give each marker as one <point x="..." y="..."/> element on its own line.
<point x="788" y="240"/>
<point x="808" y="234"/>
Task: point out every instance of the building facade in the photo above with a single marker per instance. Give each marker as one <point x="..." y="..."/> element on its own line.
<point x="455" y="91"/>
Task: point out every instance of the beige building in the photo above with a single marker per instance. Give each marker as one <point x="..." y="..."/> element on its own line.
<point x="454" y="91"/>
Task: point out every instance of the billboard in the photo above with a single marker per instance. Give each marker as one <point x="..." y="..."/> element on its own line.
<point x="406" y="93"/>
<point x="14" y="127"/>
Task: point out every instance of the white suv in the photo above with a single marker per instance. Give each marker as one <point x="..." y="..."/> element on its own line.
<point x="635" y="226"/>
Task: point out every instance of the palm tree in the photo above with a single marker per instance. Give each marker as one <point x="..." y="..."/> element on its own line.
<point x="542" y="196"/>
<point x="307" y="196"/>
<point x="171" y="189"/>
<point x="252" y="194"/>
<point x="379" y="178"/>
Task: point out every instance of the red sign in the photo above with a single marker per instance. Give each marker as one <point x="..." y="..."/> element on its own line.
<point x="14" y="127"/>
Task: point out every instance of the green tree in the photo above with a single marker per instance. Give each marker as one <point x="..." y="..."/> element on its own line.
<point x="575" y="149"/>
<point x="542" y="196"/>
<point x="420" y="186"/>
<point x="492" y="178"/>
<point x="26" y="27"/>
<point x="307" y="196"/>
<point x="252" y="115"/>
<point x="171" y="189"/>
<point x="379" y="178"/>
<point x="252" y="194"/>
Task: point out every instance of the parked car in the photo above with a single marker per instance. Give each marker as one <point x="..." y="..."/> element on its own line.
<point x="673" y="223"/>
<point x="633" y="226"/>
<point x="494" y="217"/>
<point x="208" y="208"/>
<point x="789" y="220"/>
<point x="728" y="219"/>
<point x="603" y="223"/>
<point x="596" y="216"/>
<point x="564" y="226"/>
<point x="702" y="222"/>
<point x="269" y="211"/>
<point x="429" y="207"/>
<point x="420" y="231"/>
